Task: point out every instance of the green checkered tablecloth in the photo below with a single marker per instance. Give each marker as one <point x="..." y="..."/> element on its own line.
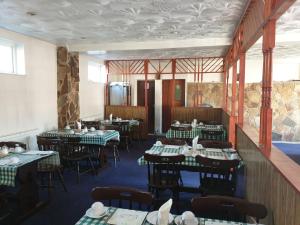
<point x="8" y="172"/>
<point x="131" y="122"/>
<point x="189" y="160"/>
<point x="196" y="131"/>
<point x="86" y="138"/>
<point x="85" y="220"/>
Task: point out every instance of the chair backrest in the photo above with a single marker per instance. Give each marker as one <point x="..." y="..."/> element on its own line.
<point x="110" y="127"/>
<point x="89" y="124"/>
<point x="120" y="195"/>
<point x="215" y="144"/>
<point x="45" y="143"/>
<point x="163" y="170"/>
<point x="227" y="208"/>
<point x="172" y="141"/>
<point x="212" y="122"/>
<point x="12" y="144"/>
<point x="123" y="126"/>
<point x="208" y="134"/>
<point x="181" y="128"/>
<point x="217" y="164"/>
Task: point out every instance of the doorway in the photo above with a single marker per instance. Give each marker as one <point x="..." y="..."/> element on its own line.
<point x="151" y="101"/>
<point x="167" y="95"/>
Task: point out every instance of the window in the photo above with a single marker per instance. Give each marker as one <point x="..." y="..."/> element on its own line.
<point x="96" y="72"/>
<point x="12" y="59"/>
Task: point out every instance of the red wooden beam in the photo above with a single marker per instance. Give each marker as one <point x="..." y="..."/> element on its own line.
<point x="232" y="119"/>
<point x="146" y="63"/>
<point x="173" y="82"/>
<point x="241" y="90"/>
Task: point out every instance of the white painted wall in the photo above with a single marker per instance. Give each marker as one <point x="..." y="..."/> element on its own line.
<point x="29" y="103"/>
<point x="91" y="94"/>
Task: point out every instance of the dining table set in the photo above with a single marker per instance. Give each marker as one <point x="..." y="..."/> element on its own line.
<point x="93" y="136"/>
<point x="120" y="216"/>
<point x="196" y="130"/>
<point x="190" y="154"/>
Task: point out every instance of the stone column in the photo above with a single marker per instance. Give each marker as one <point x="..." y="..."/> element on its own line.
<point x="67" y="87"/>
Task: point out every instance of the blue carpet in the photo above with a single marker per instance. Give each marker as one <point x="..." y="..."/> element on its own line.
<point x="68" y="208"/>
<point x="291" y="150"/>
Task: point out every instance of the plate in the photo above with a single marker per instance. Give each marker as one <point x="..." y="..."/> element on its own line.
<point x="230" y="150"/>
<point x="152" y="217"/>
<point x="89" y="213"/>
<point x="178" y="221"/>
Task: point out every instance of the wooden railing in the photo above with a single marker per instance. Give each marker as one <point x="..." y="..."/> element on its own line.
<point x="129" y="112"/>
<point x="272" y="180"/>
<point x="201" y="114"/>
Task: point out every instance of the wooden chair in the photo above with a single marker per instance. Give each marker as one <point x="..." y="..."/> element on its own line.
<point x="164" y="173"/>
<point x="113" y="143"/>
<point x="12" y="144"/>
<point x="212" y="122"/>
<point x="172" y="141"/>
<point x="89" y="124"/>
<point x="125" y="132"/>
<point x="212" y="135"/>
<point x="138" y="130"/>
<point x="217" y="176"/>
<point x="215" y="144"/>
<point x="227" y="208"/>
<point x="73" y="153"/>
<point x="123" y="194"/>
<point x="52" y="144"/>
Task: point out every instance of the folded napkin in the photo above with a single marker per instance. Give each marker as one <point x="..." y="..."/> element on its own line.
<point x="195" y="142"/>
<point x="110" y="117"/>
<point x="163" y="213"/>
<point x="168" y="154"/>
<point x="172" y="146"/>
<point x="38" y="152"/>
<point x="78" y="125"/>
<point x="213" y="150"/>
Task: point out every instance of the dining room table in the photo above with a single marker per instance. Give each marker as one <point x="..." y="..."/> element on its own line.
<point x="18" y="176"/>
<point x="190" y="164"/>
<point x="195" y="131"/>
<point x="111" y="211"/>
<point x="95" y="137"/>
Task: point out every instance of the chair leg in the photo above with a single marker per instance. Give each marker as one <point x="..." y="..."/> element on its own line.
<point x="127" y="147"/>
<point x="50" y="186"/>
<point x="92" y="165"/>
<point x="78" y="173"/>
<point x="61" y="178"/>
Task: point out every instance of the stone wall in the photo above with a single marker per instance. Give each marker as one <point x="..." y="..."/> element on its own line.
<point x="67" y="87"/>
<point x="285" y="104"/>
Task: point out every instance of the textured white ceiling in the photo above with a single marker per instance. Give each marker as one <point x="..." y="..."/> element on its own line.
<point x="163" y="54"/>
<point x="87" y="21"/>
<point x="105" y="22"/>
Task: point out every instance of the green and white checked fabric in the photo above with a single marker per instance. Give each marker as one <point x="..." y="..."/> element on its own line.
<point x="85" y="220"/>
<point x="196" y="131"/>
<point x="50" y="161"/>
<point x="8" y="172"/>
<point x="86" y="138"/>
<point x="189" y="160"/>
<point x="131" y="122"/>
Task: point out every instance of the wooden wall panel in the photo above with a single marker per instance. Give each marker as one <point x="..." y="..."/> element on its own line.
<point x="266" y="184"/>
<point x="201" y="114"/>
<point x="129" y="112"/>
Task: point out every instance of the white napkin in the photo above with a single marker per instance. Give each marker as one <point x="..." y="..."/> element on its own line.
<point x="168" y="154"/>
<point x="78" y="125"/>
<point x="195" y="142"/>
<point x="110" y="117"/>
<point x="34" y="152"/>
<point x="163" y="213"/>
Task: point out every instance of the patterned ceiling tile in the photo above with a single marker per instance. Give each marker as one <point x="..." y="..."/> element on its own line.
<point x="163" y="54"/>
<point x="89" y="21"/>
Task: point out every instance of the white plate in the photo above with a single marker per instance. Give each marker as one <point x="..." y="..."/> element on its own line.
<point x="91" y="215"/>
<point x="152" y="217"/>
<point x="178" y="221"/>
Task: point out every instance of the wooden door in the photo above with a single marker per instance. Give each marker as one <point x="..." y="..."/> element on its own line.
<point x="177" y="95"/>
<point x="151" y="101"/>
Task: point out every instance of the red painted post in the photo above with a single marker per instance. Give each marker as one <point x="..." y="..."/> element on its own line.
<point x="146" y="81"/>
<point x="224" y="89"/>
<point x="232" y="118"/>
<point x="106" y="83"/>
<point x="265" y="132"/>
<point x="241" y="90"/>
<point x="173" y="82"/>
